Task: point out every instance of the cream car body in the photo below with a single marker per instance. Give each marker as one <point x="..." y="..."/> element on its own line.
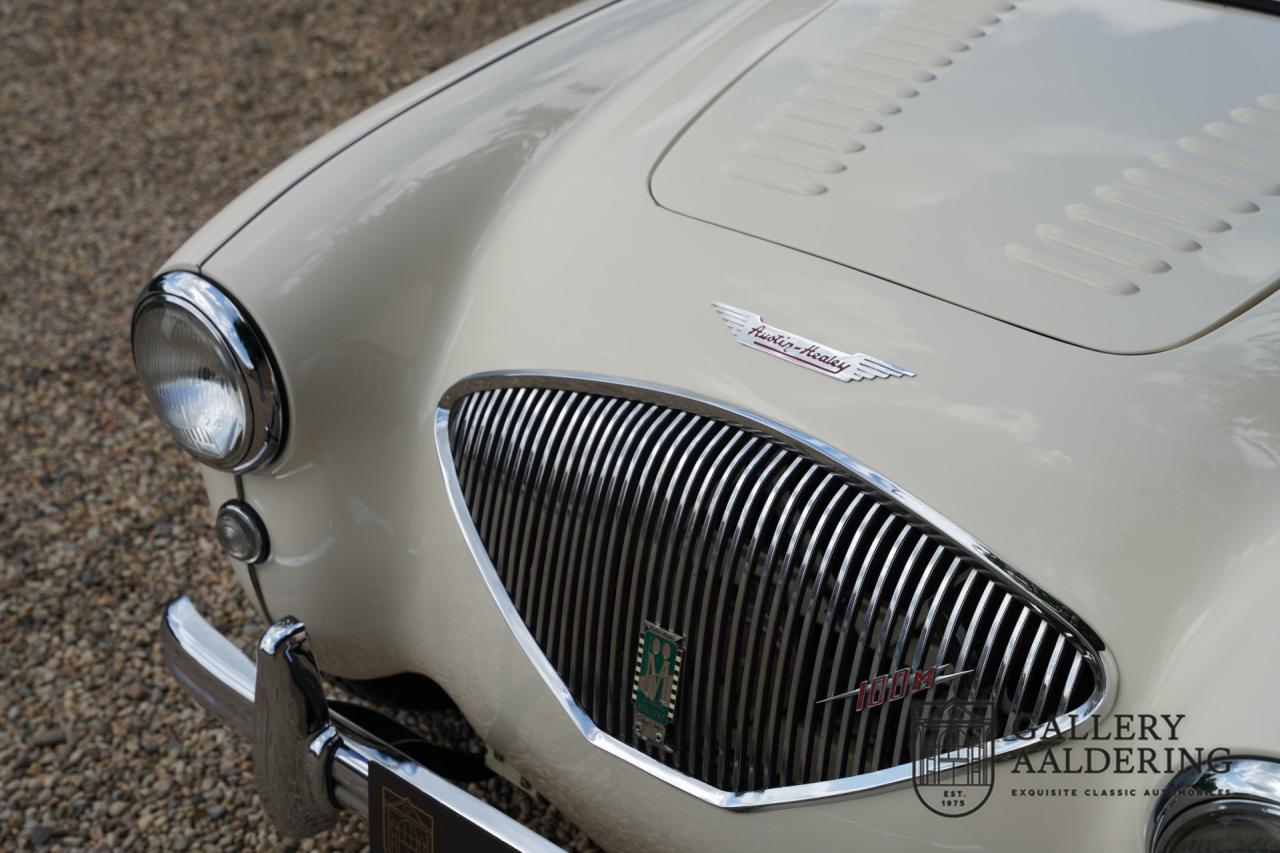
<point x="1108" y="424"/>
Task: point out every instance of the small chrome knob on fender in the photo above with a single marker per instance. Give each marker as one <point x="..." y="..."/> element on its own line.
<point x="241" y="533"/>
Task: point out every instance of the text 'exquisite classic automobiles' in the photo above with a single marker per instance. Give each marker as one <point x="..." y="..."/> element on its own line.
<point x="775" y="424"/>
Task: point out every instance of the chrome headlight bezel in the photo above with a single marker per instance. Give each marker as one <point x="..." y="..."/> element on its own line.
<point x="1233" y="786"/>
<point x="257" y="375"/>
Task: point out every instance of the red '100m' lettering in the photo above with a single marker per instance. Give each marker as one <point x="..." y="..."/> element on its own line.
<point x="890" y="688"/>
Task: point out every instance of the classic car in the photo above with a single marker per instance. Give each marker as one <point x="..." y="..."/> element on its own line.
<point x="783" y="424"/>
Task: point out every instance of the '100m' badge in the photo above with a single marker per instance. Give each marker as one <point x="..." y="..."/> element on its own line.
<point x="657" y="678"/>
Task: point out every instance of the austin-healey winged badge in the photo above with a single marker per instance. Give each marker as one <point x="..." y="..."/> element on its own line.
<point x="752" y="331"/>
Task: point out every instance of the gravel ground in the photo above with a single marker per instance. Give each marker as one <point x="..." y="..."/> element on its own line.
<point x="124" y="126"/>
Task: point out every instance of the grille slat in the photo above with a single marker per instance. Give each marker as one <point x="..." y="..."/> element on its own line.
<point x="1010" y="649"/>
<point x="697" y="554"/>
<point x="666" y="524"/>
<point x="606" y="581"/>
<point x="922" y="648"/>
<point x="485" y="487"/>
<point x="884" y="750"/>
<point x="882" y="643"/>
<point x="536" y="535"/>
<point x="474" y="430"/>
<point x="1047" y="681"/>
<point x="569" y="516"/>
<point x="980" y="674"/>
<point x="510" y="482"/>
<point x="639" y="535"/>
<point x="888" y="567"/>
<point x="732" y="445"/>
<point x="685" y="479"/>
<point x="949" y="633"/>
<point x="598" y="524"/>
<point x="761" y="627"/>
<point x="575" y="615"/>
<point x="624" y="599"/>
<point x="803" y="603"/>
<point x="1064" y="704"/>
<point x="840" y="758"/>
<point x="804" y="737"/>
<point x="791" y="590"/>
<point x="556" y="518"/>
<point x="547" y="434"/>
<point x="704" y="646"/>
<point x="1024" y="678"/>
<point x="790" y="578"/>
<point x="838" y="674"/>
<point x="730" y="662"/>
<point x="962" y="661"/>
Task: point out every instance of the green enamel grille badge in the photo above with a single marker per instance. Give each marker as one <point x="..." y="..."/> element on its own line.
<point x="657" y="678"/>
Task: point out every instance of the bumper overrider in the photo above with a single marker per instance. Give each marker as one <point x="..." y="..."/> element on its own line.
<point x="309" y="761"/>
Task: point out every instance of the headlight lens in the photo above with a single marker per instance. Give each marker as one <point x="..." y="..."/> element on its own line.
<point x="1233" y="807"/>
<point x="191" y="381"/>
<point x="207" y="373"/>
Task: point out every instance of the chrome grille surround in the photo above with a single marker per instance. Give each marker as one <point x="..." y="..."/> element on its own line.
<point x="612" y="424"/>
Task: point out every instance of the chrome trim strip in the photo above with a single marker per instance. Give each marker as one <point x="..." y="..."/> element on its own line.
<point x="1044" y="606"/>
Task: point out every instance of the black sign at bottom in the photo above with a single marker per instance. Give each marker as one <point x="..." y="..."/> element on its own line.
<point x="403" y="819"/>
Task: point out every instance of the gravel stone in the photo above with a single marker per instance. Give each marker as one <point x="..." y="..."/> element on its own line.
<point x="123" y="128"/>
<point x="49" y="737"/>
<point x="41" y="834"/>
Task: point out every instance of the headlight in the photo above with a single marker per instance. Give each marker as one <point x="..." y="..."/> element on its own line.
<point x="1229" y="806"/>
<point x="207" y="373"/>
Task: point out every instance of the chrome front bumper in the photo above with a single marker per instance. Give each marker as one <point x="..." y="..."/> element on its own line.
<point x="309" y="762"/>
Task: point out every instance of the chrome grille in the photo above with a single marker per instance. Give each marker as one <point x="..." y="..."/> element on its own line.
<point x="792" y="575"/>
